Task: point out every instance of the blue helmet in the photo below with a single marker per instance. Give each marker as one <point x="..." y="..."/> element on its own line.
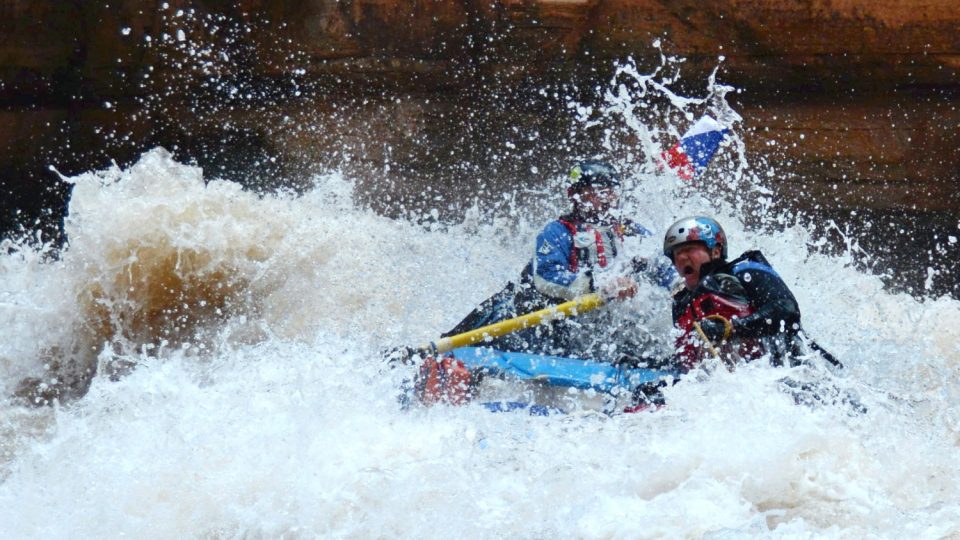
<point x="695" y="229"/>
<point x="593" y="173"/>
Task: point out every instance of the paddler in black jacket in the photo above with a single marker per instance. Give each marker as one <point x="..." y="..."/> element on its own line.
<point x="742" y="308"/>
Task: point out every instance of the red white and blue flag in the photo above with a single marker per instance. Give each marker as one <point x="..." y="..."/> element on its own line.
<point x="689" y="157"/>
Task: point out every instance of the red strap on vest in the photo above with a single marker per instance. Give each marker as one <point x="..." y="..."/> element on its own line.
<point x="601" y="257"/>
<point x="601" y="254"/>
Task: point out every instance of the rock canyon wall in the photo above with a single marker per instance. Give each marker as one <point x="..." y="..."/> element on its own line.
<point x="855" y="101"/>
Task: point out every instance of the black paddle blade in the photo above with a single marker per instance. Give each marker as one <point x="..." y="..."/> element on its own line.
<point x="402" y="356"/>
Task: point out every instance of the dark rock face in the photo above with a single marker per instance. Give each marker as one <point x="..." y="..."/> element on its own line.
<point x="855" y="100"/>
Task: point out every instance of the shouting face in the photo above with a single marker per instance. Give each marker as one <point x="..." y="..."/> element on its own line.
<point x="689" y="257"/>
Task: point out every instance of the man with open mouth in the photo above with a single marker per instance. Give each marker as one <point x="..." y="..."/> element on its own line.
<point x="738" y="310"/>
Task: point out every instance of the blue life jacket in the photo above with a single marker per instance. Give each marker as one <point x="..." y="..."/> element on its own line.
<point x="568" y="251"/>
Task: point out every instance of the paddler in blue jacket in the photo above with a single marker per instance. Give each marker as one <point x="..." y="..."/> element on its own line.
<point x="742" y="307"/>
<point x="569" y="250"/>
<point x="570" y="257"/>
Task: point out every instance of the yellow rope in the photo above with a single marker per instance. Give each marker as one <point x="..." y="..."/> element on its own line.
<point x="727" y="331"/>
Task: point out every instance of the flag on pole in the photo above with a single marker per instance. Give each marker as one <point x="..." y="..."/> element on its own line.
<point x="690" y="156"/>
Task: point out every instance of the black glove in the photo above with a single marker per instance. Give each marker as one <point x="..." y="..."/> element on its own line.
<point x="714" y="330"/>
<point x="639" y="265"/>
<point x="649" y="394"/>
<point x="406" y="356"/>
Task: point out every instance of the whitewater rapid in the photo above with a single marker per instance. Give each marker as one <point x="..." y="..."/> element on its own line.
<point x="260" y="407"/>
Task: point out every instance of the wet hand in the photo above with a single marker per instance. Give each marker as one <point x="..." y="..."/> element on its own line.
<point x="624" y="287"/>
<point x="715" y="330"/>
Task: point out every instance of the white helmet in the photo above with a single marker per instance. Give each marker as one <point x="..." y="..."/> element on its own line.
<point x="695" y="229"/>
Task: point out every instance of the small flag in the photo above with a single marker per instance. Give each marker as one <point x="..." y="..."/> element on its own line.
<point x="696" y="148"/>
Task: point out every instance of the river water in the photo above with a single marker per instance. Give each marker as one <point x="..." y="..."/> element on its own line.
<point x="240" y="391"/>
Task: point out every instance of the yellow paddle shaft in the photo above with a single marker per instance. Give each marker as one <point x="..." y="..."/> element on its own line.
<point x="576" y="306"/>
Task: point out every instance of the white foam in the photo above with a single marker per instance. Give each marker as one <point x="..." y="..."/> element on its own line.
<point x="274" y="417"/>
